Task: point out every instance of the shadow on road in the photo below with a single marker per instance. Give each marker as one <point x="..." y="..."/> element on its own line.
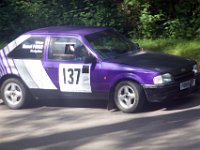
<point x="70" y="103"/>
<point x="176" y="104"/>
<point x="136" y="132"/>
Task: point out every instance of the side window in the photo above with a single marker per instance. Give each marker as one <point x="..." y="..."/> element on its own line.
<point x="67" y="48"/>
<point x="30" y="48"/>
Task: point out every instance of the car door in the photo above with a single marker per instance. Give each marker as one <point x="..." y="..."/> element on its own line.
<point x="65" y="65"/>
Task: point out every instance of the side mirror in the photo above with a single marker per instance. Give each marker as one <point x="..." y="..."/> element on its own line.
<point x="90" y="59"/>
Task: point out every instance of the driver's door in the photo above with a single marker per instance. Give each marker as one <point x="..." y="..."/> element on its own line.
<point x="66" y="68"/>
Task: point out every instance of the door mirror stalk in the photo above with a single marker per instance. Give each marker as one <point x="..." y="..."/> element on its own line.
<point x="90" y="59"/>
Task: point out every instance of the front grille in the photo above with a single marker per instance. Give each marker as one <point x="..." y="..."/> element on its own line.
<point x="184" y="76"/>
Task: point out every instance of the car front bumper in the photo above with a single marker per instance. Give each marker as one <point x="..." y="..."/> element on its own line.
<point x="155" y="93"/>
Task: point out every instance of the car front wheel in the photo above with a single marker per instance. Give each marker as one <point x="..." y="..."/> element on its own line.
<point x="129" y="96"/>
<point x="14" y="93"/>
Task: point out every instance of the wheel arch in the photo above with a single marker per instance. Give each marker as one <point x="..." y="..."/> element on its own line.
<point x="142" y="96"/>
<point x="5" y="77"/>
<point x="123" y="77"/>
<point x="24" y="90"/>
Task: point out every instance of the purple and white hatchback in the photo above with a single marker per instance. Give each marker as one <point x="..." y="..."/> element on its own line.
<point x="90" y="62"/>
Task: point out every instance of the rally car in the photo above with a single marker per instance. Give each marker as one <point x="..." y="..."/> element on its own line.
<point x="90" y="62"/>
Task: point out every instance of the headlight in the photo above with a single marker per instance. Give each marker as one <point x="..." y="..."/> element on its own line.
<point x="161" y="79"/>
<point x="195" y="69"/>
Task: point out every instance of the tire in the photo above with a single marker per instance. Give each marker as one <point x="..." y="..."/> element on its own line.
<point x="129" y="96"/>
<point x="14" y="93"/>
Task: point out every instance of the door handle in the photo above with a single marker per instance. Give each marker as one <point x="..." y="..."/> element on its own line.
<point x="50" y="67"/>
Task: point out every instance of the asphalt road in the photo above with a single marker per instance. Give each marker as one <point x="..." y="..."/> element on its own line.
<point x="87" y="125"/>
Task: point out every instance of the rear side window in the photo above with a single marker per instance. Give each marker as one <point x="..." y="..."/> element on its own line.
<point x="30" y="48"/>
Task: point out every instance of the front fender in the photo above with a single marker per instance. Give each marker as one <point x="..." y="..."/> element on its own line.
<point x="126" y="76"/>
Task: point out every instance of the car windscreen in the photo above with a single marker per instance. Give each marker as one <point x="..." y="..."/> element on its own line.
<point x="109" y="43"/>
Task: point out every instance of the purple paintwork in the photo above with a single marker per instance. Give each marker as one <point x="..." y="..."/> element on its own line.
<point x="65" y="30"/>
<point x="105" y="73"/>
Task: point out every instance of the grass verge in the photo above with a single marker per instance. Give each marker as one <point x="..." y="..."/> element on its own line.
<point x="185" y="48"/>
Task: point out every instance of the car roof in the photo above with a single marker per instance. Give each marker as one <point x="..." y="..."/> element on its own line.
<point x="66" y="30"/>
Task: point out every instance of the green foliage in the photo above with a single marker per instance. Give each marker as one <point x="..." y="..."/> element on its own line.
<point x="18" y="16"/>
<point x="148" y="22"/>
<point x="173" y="19"/>
<point x="130" y="12"/>
<point x="2" y="44"/>
<point x="177" y="29"/>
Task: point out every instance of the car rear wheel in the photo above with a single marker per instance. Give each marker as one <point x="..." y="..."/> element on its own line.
<point x="14" y="93"/>
<point x="129" y="96"/>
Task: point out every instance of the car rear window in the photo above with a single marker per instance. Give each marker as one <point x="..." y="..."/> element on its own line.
<point x="30" y="48"/>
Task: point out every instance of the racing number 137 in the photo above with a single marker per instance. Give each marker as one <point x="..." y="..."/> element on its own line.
<point x="70" y="75"/>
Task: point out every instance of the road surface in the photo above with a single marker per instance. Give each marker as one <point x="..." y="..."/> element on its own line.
<point x="87" y="125"/>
